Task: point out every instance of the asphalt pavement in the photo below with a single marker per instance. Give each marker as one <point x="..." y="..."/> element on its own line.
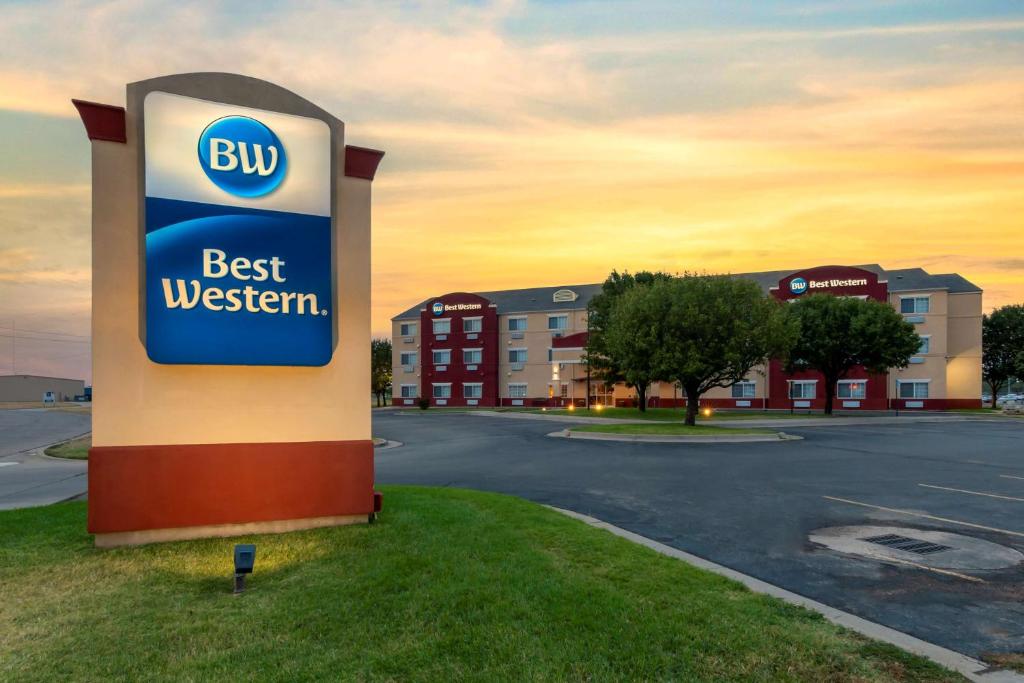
<point x="752" y="507"/>
<point x="28" y="478"/>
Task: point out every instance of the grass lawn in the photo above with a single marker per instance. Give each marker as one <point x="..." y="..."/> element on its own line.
<point x="670" y="428"/>
<point x="672" y="414"/>
<point x="447" y="585"/>
<point x="76" y="449"/>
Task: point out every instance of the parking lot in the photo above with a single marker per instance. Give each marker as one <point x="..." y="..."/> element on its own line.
<point x="915" y="525"/>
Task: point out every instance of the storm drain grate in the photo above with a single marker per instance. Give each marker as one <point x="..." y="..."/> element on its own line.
<point x="910" y="545"/>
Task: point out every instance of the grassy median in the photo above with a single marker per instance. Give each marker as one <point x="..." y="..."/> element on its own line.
<point x="75" y="449"/>
<point x="447" y="585"/>
<point x="670" y="429"/>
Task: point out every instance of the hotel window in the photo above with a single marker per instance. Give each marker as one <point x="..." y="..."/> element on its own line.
<point x="913" y="389"/>
<point x="442" y="390"/>
<point x="442" y="326"/>
<point x="565" y="391"/>
<point x="803" y="388"/>
<point x="517" y="391"/>
<point x="474" y="390"/>
<point x="408" y="329"/>
<point x="472" y="324"/>
<point x="408" y="358"/>
<point x="472" y="356"/>
<point x="852" y="388"/>
<point x="558" y="322"/>
<point x="915" y="304"/>
<point x="442" y="357"/>
<point x="926" y="344"/>
<point x="517" y="355"/>
<point x="743" y="389"/>
<point x="517" y="324"/>
<point x="408" y="391"/>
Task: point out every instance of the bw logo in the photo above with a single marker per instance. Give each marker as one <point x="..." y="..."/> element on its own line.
<point x="242" y="156"/>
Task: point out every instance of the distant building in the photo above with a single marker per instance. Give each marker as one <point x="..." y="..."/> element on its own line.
<point x="32" y="388"/>
<point x="524" y="347"/>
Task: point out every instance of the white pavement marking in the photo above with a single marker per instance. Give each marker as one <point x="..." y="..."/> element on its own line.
<point x="976" y="493"/>
<point x="971" y="668"/>
<point x="7" y="464"/>
<point x="947" y="572"/>
<point x="926" y="516"/>
<point x="1010" y="476"/>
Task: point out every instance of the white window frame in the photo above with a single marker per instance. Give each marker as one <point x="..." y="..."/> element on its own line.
<point x="557" y="316"/>
<point x="508" y="324"/>
<point x="406" y="354"/>
<point x="478" y="385"/>
<point x="803" y="382"/>
<point x="915" y="382"/>
<point x="926" y="345"/>
<point x="435" y="321"/>
<point x="743" y="385"/>
<point x="472" y="362"/>
<point x="927" y="298"/>
<point x="415" y="390"/>
<point x="433" y="357"/>
<point x="407" y="329"/>
<point x="477" y="319"/>
<point x="443" y="385"/>
<point x="523" y="386"/>
<point x="526" y="355"/>
<point x="848" y="382"/>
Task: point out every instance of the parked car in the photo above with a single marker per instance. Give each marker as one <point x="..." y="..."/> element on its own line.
<point x="1001" y="401"/>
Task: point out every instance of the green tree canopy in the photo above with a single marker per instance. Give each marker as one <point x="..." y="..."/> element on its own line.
<point x="702" y="331"/>
<point x="1002" y="334"/>
<point x="380" y="368"/>
<point x="603" y="363"/>
<point x="838" y="334"/>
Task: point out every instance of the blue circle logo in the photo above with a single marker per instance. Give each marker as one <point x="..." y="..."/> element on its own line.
<point x="437" y="308"/>
<point x="242" y="156"/>
<point x="798" y="285"/>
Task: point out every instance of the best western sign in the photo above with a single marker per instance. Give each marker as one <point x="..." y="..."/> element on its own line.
<point x="439" y="308"/>
<point x="800" y="285"/>
<point x="238" y="253"/>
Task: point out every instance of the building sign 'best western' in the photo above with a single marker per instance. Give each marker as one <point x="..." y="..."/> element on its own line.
<point x="238" y="235"/>
<point x="799" y="285"/>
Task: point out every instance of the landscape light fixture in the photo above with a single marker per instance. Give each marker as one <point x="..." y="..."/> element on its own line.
<point x="706" y="412"/>
<point x="572" y="406"/>
<point x="598" y="407"/>
<point x="245" y="558"/>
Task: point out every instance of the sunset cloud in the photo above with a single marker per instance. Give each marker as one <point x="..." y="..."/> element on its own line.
<point x="547" y="143"/>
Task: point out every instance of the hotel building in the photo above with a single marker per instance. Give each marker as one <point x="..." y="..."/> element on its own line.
<point x="524" y="347"/>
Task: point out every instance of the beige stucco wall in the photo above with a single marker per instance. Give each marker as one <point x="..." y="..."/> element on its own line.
<point x="139" y="402"/>
<point x="32" y="388"/>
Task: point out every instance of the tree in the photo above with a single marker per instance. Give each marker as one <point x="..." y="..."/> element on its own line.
<point x="838" y="334"/>
<point x="380" y="368"/>
<point x="602" y="363"/>
<point x="1002" y="347"/>
<point x="702" y="331"/>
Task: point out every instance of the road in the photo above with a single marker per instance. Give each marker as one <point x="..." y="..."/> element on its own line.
<point x="751" y="507"/>
<point x="29" y="479"/>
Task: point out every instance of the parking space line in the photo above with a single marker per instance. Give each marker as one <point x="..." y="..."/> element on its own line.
<point x="976" y="493"/>
<point x="947" y="572"/>
<point x="926" y="516"/>
<point x="1010" y="476"/>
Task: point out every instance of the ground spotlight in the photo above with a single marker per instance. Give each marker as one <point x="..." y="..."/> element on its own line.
<point x="572" y="406"/>
<point x="706" y="412"/>
<point x="599" y="407"/>
<point x="245" y="559"/>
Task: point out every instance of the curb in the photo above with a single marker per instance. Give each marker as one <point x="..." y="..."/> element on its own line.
<point x="41" y="450"/>
<point x="386" y="444"/>
<point x="972" y="669"/>
<point x="668" y="438"/>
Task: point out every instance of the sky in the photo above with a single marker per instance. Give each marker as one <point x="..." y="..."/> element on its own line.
<point x="547" y="143"/>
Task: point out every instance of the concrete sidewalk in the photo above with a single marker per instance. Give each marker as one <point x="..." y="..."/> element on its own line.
<point x="837" y="421"/>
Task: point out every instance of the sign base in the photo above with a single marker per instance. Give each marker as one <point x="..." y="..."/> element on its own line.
<point x="144" y="494"/>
